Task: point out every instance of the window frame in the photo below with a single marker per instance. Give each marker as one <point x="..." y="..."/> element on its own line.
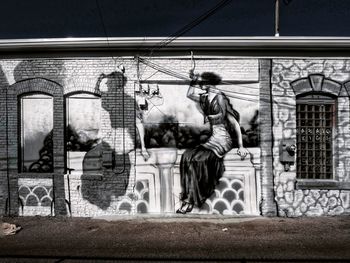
<point x="319" y="84"/>
<point x="30" y="86"/>
<point x="94" y="95"/>
<point x="318" y="98"/>
<point x="21" y="132"/>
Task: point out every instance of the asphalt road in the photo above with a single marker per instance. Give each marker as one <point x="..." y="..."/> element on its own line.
<point x="188" y="239"/>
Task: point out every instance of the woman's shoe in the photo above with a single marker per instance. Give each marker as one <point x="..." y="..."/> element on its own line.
<point x="185" y="208"/>
<point x="189" y="208"/>
<point x="182" y="209"/>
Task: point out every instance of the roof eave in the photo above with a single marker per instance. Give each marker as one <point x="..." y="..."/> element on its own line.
<point x="200" y="43"/>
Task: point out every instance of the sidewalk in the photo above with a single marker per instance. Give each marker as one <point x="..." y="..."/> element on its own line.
<point x="257" y="239"/>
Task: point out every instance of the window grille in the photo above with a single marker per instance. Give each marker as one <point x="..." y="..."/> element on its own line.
<point x="315" y="122"/>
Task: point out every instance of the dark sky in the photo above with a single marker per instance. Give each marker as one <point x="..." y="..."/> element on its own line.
<point x="139" y="18"/>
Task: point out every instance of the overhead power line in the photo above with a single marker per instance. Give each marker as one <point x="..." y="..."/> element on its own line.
<point x="175" y="74"/>
<point x="171" y="38"/>
<point x="191" y="25"/>
<point x="175" y="35"/>
<point x="102" y="21"/>
<point x="187" y="28"/>
<point x="237" y="95"/>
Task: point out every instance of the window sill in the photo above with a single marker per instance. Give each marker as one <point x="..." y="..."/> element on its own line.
<point x="35" y="175"/>
<point x="92" y="177"/>
<point x="321" y="184"/>
<point x="89" y="177"/>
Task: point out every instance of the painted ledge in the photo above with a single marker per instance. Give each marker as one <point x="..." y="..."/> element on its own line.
<point x="199" y="43"/>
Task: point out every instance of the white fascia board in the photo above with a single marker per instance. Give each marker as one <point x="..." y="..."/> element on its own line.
<point x="207" y="43"/>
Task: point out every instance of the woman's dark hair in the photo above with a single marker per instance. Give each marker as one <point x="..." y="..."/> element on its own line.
<point x="210" y="78"/>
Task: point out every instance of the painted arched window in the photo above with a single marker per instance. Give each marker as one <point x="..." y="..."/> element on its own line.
<point x="36" y="133"/>
<point x="83" y="144"/>
<point x="316" y="117"/>
<point x="322" y="118"/>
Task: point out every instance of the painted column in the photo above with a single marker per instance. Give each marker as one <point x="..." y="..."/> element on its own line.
<point x="166" y="185"/>
<point x="165" y="159"/>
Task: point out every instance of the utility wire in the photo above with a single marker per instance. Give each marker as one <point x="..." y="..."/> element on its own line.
<point x="191" y="25"/>
<point x="99" y="9"/>
<point x="170" y="39"/>
<point x="102" y="22"/>
<point x="183" y="77"/>
<point x="188" y="27"/>
<point x="175" y="35"/>
<point x="287" y="2"/>
<point x="173" y="73"/>
<point x="158" y="68"/>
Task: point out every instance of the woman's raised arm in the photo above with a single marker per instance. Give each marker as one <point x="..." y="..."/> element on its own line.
<point x="191" y="94"/>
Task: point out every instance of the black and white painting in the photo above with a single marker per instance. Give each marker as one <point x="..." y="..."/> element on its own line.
<point x="201" y="122"/>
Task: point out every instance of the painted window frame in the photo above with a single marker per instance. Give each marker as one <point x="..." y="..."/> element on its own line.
<point x="15" y="92"/>
<point x="21" y="131"/>
<point x="319" y="84"/>
<point x="324" y="98"/>
<point x="91" y="176"/>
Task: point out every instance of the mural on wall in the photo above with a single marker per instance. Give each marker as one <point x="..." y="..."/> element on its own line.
<point x="109" y="152"/>
<point x="202" y="167"/>
<point x="179" y="122"/>
<point x="194" y="127"/>
<point x="129" y="146"/>
<point x="100" y="141"/>
<point x="146" y="99"/>
<point x="160" y="144"/>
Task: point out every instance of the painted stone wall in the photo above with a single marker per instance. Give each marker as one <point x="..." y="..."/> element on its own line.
<point x="99" y="169"/>
<point x="292" y="201"/>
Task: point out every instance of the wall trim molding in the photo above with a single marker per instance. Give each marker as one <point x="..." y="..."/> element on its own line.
<point x="197" y="43"/>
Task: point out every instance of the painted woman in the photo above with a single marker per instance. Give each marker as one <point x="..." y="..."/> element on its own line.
<point x="202" y="167"/>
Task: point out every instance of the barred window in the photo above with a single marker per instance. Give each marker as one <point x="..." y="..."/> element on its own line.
<point x="315" y="125"/>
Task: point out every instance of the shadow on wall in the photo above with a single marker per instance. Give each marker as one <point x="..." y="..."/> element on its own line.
<point x="115" y="179"/>
<point x="54" y="71"/>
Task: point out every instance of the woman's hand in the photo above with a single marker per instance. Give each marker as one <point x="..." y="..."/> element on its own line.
<point x="242" y="152"/>
<point x="145" y="154"/>
<point x="194" y="77"/>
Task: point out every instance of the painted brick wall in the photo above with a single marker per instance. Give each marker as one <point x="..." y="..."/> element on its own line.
<point x="71" y="76"/>
<point x="111" y="192"/>
<point x="4" y="84"/>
